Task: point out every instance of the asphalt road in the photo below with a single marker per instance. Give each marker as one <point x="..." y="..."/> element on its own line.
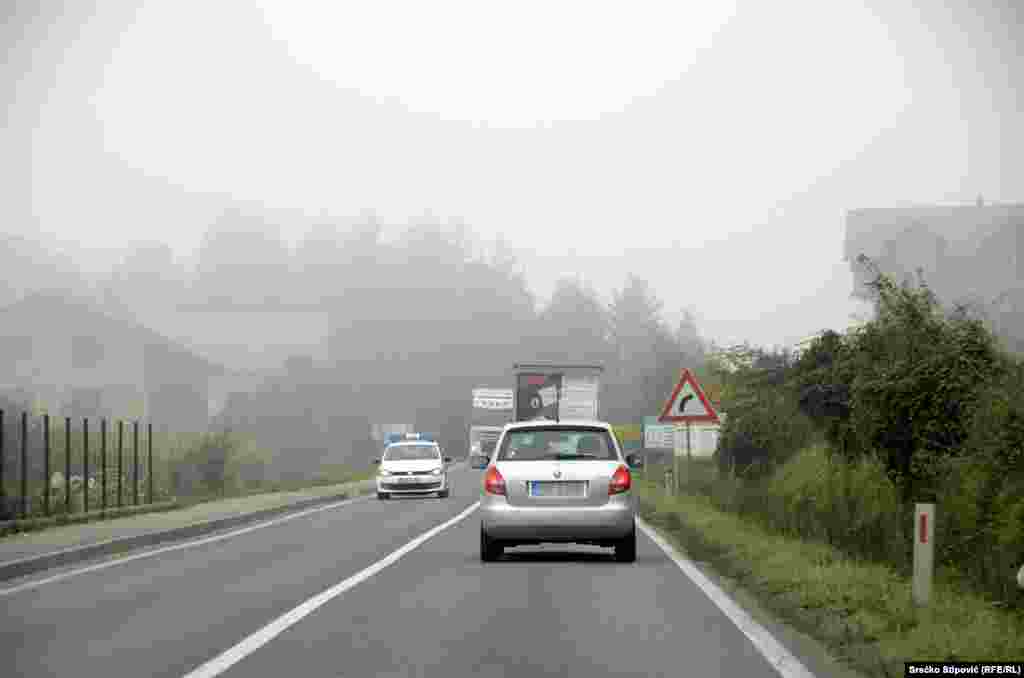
<point x="436" y="611"/>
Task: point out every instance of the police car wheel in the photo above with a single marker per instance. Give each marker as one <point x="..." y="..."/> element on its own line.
<point x="382" y="496"/>
<point x="443" y="494"/>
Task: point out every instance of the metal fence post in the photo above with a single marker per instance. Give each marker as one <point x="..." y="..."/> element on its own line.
<point x="67" y="465"/>
<point x="24" y="464"/>
<point x="120" y="463"/>
<point x="103" y="463"/>
<point x="85" y="465"/>
<point x="149" y="439"/>
<point x="46" y="463"/>
<point x="135" y="475"/>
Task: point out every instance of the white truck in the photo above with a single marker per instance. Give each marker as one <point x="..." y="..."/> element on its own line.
<point x="492" y="409"/>
<point x="542" y="391"/>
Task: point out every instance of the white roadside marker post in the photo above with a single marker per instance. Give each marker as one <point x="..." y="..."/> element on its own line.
<point x="924" y="552"/>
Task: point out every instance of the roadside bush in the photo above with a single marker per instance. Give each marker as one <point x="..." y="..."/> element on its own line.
<point x="982" y="521"/>
<point x="913" y="375"/>
<point x="765" y="427"/>
<point x="205" y="463"/>
<point x="854" y="506"/>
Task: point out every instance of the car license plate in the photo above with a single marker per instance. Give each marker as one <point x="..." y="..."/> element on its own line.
<point x="408" y="480"/>
<point x="562" y="488"/>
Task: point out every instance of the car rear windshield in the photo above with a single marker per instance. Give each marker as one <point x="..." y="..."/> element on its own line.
<point x="407" y="452"/>
<point x="557" y="443"/>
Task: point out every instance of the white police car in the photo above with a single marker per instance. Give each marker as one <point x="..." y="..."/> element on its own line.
<point x="413" y="465"/>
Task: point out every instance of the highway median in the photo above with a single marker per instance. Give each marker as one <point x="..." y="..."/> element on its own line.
<point x="83" y="537"/>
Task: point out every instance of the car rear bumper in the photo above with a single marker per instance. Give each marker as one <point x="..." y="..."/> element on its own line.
<point x="614" y="520"/>
<point x="429" y="484"/>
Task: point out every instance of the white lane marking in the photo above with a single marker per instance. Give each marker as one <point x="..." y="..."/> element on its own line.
<point x="175" y="547"/>
<point x="778" y="656"/>
<point x="250" y="644"/>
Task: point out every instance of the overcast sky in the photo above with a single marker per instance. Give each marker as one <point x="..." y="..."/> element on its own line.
<point x="711" y="147"/>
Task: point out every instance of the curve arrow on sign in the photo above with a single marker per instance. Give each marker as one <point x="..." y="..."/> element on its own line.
<point x="682" y="403"/>
<point x="688" y="404"/>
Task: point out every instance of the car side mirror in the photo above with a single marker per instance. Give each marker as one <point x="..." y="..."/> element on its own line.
<point x="376" y="461"/>
<point x="447" y="460"/>
<point x="478" y="461"/>
<point x="634" y="460"/>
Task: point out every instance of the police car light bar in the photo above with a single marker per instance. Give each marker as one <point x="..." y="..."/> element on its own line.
<point x="399" y="437"/>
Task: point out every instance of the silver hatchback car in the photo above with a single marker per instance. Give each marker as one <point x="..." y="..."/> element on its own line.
<point x="557" y="482"/>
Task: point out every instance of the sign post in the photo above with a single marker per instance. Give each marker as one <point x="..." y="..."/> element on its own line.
<point x="675" y="470"/>
<point x="687" y="404"/>
<point x="924" y="552"/>
<point x="689" y="454"/>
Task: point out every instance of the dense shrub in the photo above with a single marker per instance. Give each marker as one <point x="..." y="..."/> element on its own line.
<point x="764" y="427"/>
<point x="982" y="498"/>
<point x="853" y="506"/>
<point x="916" y="405"/>
<point x="213" y="463"/>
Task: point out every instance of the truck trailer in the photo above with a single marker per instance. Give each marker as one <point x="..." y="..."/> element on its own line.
<point x="557" y="391"/>
<point x="492" y="409"/>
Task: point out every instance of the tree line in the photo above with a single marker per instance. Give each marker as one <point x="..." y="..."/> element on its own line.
<point x="418" y="322"/>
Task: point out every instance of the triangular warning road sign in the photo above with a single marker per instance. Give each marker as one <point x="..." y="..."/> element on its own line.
<point x="688" y="403"/>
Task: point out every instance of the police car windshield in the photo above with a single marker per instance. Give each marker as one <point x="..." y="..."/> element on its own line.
<point x="412" y="452"/>
<point x="557" y="443"/>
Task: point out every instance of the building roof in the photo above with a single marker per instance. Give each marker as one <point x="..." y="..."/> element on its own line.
<point x="28" y="314"/>
<point x="250" y="339"/>
<point x="962" y="226"/>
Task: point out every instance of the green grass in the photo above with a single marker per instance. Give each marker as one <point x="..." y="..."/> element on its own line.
<point x="861" y="610"/>
<point x="332" y="475"/>
<point x="42" y="523"/>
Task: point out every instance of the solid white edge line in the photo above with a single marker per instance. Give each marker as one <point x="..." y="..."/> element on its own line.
<point x="175" y="547"/>
<point x="251" y="643"/>
<point x="787" y="665"/>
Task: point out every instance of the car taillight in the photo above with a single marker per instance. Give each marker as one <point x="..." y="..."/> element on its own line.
<point x="620" y="482"/>
<point x="493" y="482"/>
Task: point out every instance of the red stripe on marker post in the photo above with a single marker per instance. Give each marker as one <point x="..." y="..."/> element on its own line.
<point x="924" y="563"/>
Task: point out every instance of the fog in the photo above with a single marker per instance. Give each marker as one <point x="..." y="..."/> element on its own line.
<point x="394" y="191"/>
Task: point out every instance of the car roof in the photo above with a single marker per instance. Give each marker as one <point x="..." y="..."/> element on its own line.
<point x="407" y="443"/>
<point x="546" y="423"/>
